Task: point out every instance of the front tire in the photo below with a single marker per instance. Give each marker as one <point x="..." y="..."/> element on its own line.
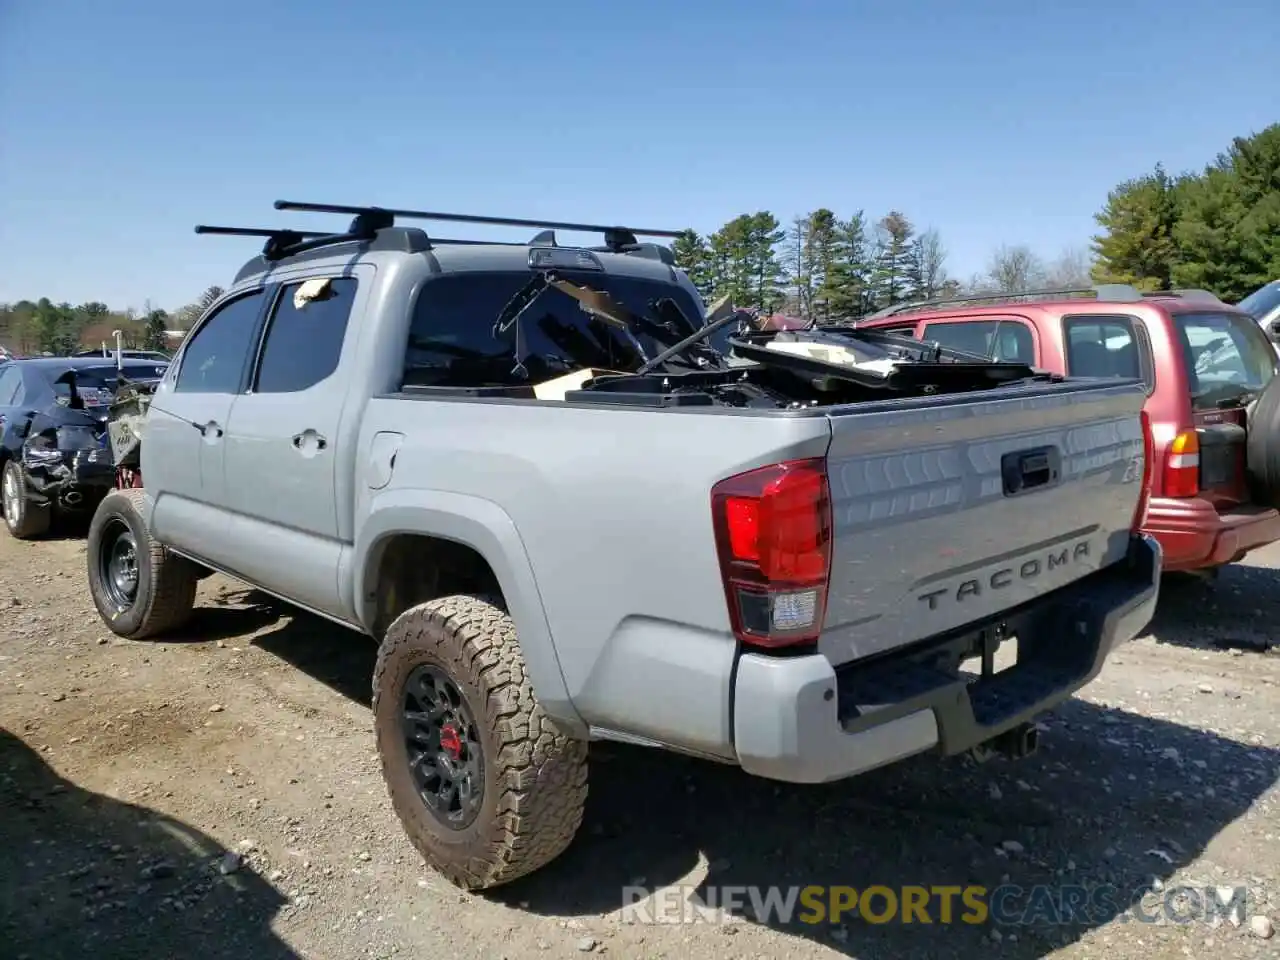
<point x="139" y="588"/>
<point x="25" y="520"/>
<point x="484" y="784"/>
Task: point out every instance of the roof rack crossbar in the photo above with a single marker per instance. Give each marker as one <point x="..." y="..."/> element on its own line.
<point x="615" y="236"/>
<point x="258" y="231"/>
<point x="279" y="242"/>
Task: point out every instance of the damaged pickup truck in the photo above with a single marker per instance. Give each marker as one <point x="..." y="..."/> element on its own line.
<point x="55" y="459"/>
<point x="564" y="518"/>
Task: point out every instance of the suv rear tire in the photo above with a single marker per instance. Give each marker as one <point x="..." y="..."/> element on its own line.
<point x="484" y="784"/>
<point x="139" y="588"/>
<point x="1262" y="453"/>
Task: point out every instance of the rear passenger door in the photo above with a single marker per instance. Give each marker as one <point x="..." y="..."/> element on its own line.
<point x="282" y="439"/>
<point x="1002" y="339"/>
<point x="183" y="452"/>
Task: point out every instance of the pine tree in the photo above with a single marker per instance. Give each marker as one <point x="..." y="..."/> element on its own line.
<point x="1138" y="245"/>
<point x="693" y="257"/>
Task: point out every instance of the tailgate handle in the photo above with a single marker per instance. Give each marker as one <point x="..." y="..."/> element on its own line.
<point x="1027" y="470"/>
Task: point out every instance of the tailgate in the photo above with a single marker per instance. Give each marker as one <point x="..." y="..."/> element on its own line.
<point x="951" y="510"/>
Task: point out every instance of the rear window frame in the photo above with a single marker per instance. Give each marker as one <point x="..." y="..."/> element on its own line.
<point x="1137" y="329"/>
<point x="1246" y="323"/>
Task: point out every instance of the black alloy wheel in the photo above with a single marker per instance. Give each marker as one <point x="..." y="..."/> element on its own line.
<point x="442" y="741"/>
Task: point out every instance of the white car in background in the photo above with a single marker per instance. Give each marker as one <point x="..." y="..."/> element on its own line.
<point x="1264" y="306"/>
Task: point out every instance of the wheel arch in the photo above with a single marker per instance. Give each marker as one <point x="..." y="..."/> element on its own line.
<point x="485" y="529"/>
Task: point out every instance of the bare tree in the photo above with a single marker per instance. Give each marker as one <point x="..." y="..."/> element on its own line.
<point x="926" y="265"/>
<point x="1070" y="270"/>
<point x="1015" y="270"/>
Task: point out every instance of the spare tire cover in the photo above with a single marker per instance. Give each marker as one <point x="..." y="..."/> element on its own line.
<point x="1262" y="456"/>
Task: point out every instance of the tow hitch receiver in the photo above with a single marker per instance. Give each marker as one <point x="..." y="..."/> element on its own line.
<point x="1015" y="744"/>
<point x="1022" y="741"/>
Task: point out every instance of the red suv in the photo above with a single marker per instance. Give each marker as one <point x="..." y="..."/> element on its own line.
<point x="1204" y="364"/>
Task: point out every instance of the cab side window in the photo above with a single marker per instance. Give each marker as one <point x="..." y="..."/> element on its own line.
<point x="215" y="357"/>
<point x="305" y="334"/>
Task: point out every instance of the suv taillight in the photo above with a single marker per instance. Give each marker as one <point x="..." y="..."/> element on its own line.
<point x="1148" y="473"/>
<point x="1182" y="466"/>
<point x="773" y="536"/>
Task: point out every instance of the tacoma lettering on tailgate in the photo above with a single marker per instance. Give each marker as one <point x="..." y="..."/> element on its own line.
<point x="1003" y="577"/>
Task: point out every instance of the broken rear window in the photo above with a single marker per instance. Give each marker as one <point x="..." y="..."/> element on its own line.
<point x="452" y="342"/>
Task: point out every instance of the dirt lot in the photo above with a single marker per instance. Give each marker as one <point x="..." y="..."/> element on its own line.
<point x="217" y="795"/>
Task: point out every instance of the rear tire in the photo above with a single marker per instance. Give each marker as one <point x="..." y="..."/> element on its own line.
<point x="25" y="520"/>
<point x="1262" y="454"/>
<point x="139" y="588"/>
<point x="450" y="692"/>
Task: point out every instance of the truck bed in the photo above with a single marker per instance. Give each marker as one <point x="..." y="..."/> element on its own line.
<point x="611" y="506"/>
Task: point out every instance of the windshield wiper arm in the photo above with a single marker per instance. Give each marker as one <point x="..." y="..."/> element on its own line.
<point x="715" y="323"/>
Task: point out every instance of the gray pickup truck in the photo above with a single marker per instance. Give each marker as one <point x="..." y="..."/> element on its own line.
<point x="565" y="518"/>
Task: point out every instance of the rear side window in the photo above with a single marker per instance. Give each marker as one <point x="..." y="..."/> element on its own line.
<point x="10" y="381"/>
<point x="1007" y="341"/>
<point x="305" y="334"/>
<point x="1227" y="358"/>
<point x="214" y="359"/>
<point x="452" y="342"/>
<point x="1105" y="347"/>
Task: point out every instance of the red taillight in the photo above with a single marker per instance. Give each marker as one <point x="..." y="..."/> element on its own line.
<point x="1148" y="454"/>
<point x="773" y="535"/>
<point x="1182" y="466"/>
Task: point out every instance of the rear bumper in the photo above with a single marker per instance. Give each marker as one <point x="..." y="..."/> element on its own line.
<point x="1194" y="535"/>
<point x="70" y="481"/>
<point x="803" y="721"/>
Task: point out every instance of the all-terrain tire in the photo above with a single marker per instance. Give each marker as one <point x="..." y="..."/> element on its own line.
<point x="25" y="520"/>
<point x="1262" y="455"/>
<point x="166" y="583"/>
<point x="534" y="775"/>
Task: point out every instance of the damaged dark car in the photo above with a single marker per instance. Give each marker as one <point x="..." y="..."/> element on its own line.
<point x="55" y="453"/>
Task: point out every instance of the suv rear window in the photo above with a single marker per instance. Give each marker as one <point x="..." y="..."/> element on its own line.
<point x="452" y="342"/>
<point x="1228" y="358"/>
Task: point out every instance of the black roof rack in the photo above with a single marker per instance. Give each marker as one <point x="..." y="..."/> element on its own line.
<point x="616" y="238"/>
<point x="367" y="221"/>
<point x="1107" y="291"/>
<point x="285" y="241"/>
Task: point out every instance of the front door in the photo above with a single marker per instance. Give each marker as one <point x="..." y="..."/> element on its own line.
<point x="183" y="450"/>
<point x="282" y="440"/>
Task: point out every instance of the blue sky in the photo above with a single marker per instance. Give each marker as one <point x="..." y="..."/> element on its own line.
<point x="124" y="124"/>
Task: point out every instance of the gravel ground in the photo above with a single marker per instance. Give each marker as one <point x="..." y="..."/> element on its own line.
<point x="217" y="795"/>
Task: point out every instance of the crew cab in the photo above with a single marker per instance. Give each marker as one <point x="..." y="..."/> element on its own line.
<point x="564" y="518"/>
<point x="1204" y="365"/>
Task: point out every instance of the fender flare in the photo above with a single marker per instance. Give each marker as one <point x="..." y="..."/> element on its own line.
<point x="486" y="528"/>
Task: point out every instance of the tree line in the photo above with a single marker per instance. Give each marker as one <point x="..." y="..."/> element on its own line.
<point x="41" y="326"/>
<point x="1216" y="229"/>
<point x="827" y="266"/>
